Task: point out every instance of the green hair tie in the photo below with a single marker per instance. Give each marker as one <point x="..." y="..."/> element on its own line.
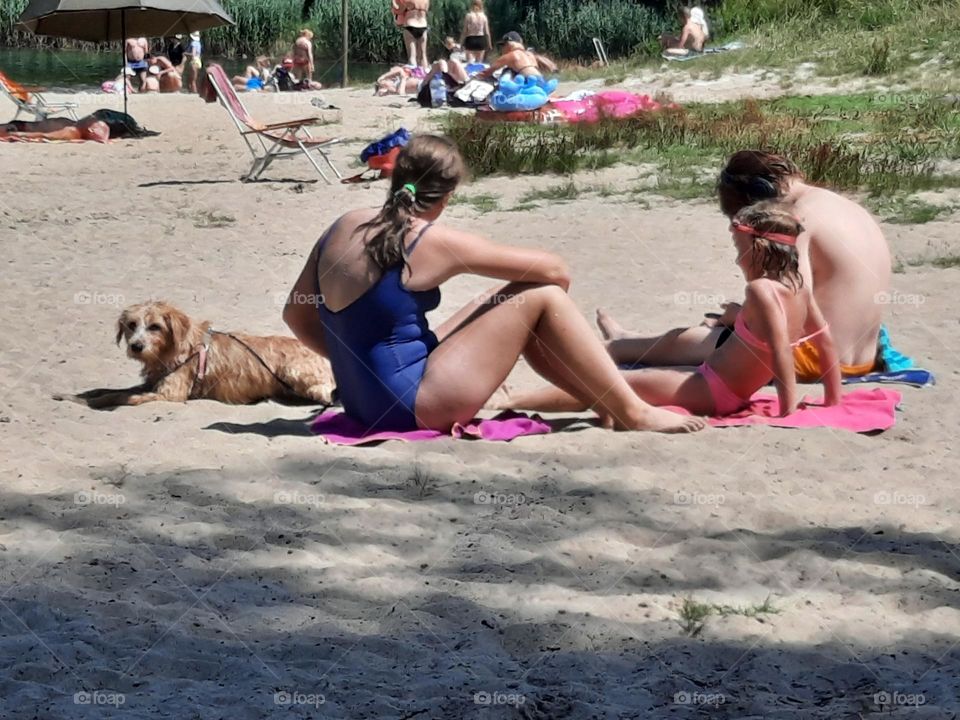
<point x="411" y="187"/>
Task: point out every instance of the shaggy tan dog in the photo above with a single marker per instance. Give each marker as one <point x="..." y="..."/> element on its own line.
<point x="185" y="360"/>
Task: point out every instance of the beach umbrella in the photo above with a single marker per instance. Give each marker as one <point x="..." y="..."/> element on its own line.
<point x="107" y="20"/>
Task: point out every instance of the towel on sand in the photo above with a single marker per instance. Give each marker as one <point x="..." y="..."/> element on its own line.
<point x="860" y="411"/>
<point x="338" y="429"/>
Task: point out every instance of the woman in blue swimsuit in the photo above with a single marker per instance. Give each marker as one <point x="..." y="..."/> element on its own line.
<point x="363" y="295"/>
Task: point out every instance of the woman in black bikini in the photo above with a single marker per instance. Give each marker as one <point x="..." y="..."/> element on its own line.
<point x="411" y="15"/>
<point x="475" y="38"/>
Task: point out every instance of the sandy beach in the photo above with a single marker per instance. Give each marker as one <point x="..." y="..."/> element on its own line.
<point x="215" y="561"/>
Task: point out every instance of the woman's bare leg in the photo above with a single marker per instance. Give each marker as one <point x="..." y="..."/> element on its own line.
<point x="680" y="346"/>
<point x="658" y="386"/>
<point x="411" y="44"/>
<point x="422" y="48"/>
<point x="474" y="359"/>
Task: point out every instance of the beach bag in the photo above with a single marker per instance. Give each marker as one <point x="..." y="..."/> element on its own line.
<point x="381" y="155"/>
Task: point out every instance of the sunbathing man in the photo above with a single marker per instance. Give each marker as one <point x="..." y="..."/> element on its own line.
<point x="843" y="256"/>
<point x="518" y="59"/>
<point x="255" y="77"/>
<point x="693" y="36"/>
<point x="86" y="128"/>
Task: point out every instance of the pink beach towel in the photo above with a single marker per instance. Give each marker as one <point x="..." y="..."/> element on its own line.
<point x="338" y="429"/>
<point x="859" y="411"/>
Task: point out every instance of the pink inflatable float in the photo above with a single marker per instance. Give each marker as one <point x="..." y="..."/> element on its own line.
<point x="608" y="104"/>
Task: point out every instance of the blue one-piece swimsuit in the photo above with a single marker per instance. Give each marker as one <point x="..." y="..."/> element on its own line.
<point x="378" y="347"/>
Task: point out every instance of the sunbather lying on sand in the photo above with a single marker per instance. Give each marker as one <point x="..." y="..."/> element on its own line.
<point x="518" y="59"/>
<point x="778" y="314"/>
<point x="844" y="259"/>
<point x="87" y="128"/>
<point x="400" y="80"/>
<point x="375" y="274"/>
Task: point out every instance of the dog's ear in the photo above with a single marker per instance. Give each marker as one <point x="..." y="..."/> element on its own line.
<point x="121" y="325"/>
<point x="179" y="325"/>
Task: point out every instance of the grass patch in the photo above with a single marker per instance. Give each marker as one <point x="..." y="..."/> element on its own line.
<point x="907" y="211"/>
<point x="482" y="202"/>
<point x="946" y="261"/>
<point x="693" y="614"/>
<point x="421" y="482"/>
<point x="874" y="142"/>
<point x="210" y="219"/>
<point x="557" y="193"/>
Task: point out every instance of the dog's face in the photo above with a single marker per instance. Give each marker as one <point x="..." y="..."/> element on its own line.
<point x="154" y="332"/>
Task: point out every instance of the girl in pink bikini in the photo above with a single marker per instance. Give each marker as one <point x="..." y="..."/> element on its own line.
<point x="778" y="314"/>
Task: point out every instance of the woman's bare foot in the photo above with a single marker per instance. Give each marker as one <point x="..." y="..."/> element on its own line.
<point x="609" y="328"/>
<point x="654" y="419"/>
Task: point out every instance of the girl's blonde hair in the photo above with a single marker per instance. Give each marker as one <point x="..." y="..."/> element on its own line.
<point x="477" y="6"/>
<point x="777" y="260"/>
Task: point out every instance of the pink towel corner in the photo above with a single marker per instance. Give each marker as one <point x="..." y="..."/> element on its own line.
<point x="338" y="429"/>
<point x="860" y="411"/>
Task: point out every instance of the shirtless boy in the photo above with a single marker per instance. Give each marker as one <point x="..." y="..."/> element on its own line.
<point x="843" y="255"/>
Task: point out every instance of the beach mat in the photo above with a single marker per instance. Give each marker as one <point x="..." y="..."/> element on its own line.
<point x="693" y="55"/>
<point x="337" y="428"/>
<point x="860" y="411"/>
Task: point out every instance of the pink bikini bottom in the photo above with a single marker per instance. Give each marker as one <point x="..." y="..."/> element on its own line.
<point x="725" y="400"/>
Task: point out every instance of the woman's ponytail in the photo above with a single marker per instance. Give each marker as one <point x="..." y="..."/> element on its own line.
<point x="428" y="169"/>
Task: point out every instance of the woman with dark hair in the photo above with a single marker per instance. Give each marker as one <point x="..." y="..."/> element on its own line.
<point x="363" y="295"/>
<point x="843" y="257"/>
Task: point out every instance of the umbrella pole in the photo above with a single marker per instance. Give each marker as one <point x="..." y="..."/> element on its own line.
<point x="123" y="55"/>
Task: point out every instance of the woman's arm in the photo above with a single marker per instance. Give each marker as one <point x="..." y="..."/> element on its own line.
<point x="444" y="253"/>
<point x="827" y="352"/>
<point x="300" y="313"/>
<point x="773" y="325"/>
<point x="502" y="61"/>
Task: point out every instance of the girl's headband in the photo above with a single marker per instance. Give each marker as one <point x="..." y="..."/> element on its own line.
<point x="782" y="238"/>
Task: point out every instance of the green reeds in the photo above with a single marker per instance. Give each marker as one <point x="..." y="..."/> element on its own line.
<point x="867" y="144"/>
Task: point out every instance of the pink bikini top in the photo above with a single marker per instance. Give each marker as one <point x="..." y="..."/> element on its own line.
<point x="741" y="329"/>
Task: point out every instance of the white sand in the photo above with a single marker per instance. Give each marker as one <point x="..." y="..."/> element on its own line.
<point x="215" y="555"/>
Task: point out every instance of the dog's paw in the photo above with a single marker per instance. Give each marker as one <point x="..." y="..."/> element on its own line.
<point x="65" y="397"/>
